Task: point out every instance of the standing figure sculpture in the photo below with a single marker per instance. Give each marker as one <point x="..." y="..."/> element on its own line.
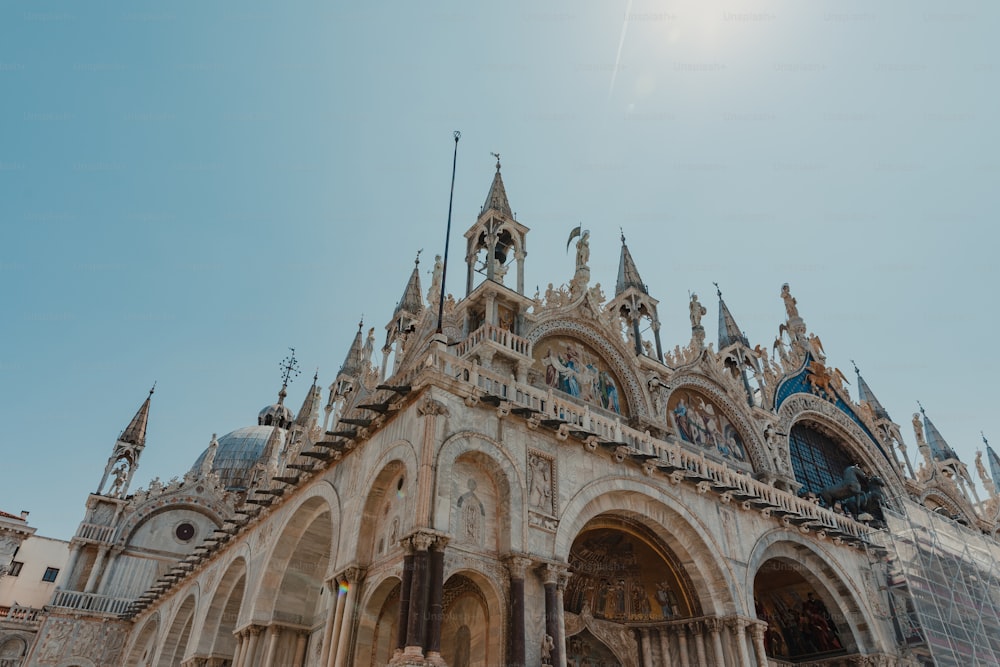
<point x="697" y="311"/>
<point x="790" y="303"/>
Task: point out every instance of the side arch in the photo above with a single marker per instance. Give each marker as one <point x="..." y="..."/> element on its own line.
<point x="140" y="651"/>
<point x="829" y="580"/>
<point x="673" y="523"/>
<point x="510" y="483"/>
<point x="361" y="524"/>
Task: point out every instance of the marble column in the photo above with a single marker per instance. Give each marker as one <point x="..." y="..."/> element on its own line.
<point x="419" y="590"/>
<point x="647" y="650"/>
<point x="353" y="577"/>
<point x="664" y="646"/>
<point x="697" y="630"/>
<point x="560" y="610"/>
<point x="714" y="626"/>
<point x="550" y="580"/>
<point x="95" y="571"/>
<point x="739" y="626"/>
<point x="273" y="635"/>
<point x="517" y="565"/>
<point x="241" y="645"/>
<point x="760" y="650"/>
<point x="403" y="620"/>
<point x="250" y="658"/>
<point x="74" y="556"/>
<point x="300" y="649"/>
<point x="333" y="615"/>
<point x="682" y="641"/>
<point x="436" y="599"/>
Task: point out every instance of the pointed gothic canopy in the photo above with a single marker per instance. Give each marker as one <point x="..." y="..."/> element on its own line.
<point x="866" y="394"/>
<point x="940" y="449"/>
<point x="309" y="405"/>
<point x="412" y="301"/>
<point x="729" y="333"/>
<point x="135" y="432"/>
<point x="497" y="197"/>
<point x="628" y="274"/>
<point x="355" y="355"/>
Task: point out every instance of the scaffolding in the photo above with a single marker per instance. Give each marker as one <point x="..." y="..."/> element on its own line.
<point x="944" y="589"/>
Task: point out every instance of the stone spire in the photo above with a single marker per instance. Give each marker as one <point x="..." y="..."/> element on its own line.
<point x="497" y="197"/>
<point x="940" y="449"/>
<point x="866" y="394"/>
<point x="309" y="411"/>
<point x="124" y="457"/>
<point x="729" y="333"/>
<point x="135" y="433"/>
<point x="412" y="301"/>
<point x="994" y="461"/>
<point x="628" y="274"/>
<point x="355" y="355"/>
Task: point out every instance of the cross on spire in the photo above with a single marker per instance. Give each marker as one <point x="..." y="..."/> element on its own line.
<point x="289" y="368"/>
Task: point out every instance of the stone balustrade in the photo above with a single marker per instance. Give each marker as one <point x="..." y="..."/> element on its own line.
<point x="22" y="615"/>
<point x="503" y="338"/>
<point x="92" y="602"/>
<point x="94" y="532"/>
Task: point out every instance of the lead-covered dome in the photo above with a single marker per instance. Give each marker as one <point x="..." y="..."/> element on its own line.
<point x="236" y="455"/>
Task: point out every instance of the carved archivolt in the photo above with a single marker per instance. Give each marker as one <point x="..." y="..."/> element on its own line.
<point x="752" y="438"/>
<point x="804" y="407"/>
<point x="637" y="404"/>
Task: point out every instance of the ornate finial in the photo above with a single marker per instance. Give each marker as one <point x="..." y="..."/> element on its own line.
<point x="718" y="290"/>
<point x="855" y="367"/>
<point x="622" y="230"/>
<point x="361" y="323"/>
<point x="289" y="368"/>
<point x="316" y="375"/>
<point x="153" y="388"/>
<point x="416" y="262"/>
<point x="921" y="409"/>
<point x="985" y="441"/>
<point x="497" y="156"/>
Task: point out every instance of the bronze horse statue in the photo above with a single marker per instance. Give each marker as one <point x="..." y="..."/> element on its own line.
<point x="858" y="493"/>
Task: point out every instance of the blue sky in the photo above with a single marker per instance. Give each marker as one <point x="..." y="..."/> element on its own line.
<point x="186" y="190"/>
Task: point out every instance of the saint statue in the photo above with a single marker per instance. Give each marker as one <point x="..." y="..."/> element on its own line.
<point x="583" y="250"/>
<point x="697" y="311"/>
<point x="790" y="303"/>
<point x="918" y="428"/>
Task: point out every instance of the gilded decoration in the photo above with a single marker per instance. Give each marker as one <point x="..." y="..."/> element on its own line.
<point x="798" y="622"/>
<point x="576" y="369"/>
<point x="699" y="421"/>
<point x="619" y="577"/>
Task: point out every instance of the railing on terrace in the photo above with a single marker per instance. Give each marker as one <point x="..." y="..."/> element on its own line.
<point x="20" y="614"/>
<point x="101" y="604"/>
<point x="681" y="462"/>
<point x="503" y="338"/>
<point x="95" y="532"/>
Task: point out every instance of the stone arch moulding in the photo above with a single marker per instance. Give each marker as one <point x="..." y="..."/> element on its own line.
<point x="227" y="574"/>
<point x="213" y="512"/>
<point x="804" y="407"/>
<point x="511" y="482"/>
<point x="680" y="530"/>
<point x="737" y="415"/>
<point x="823" y="572"/>
<point x="489" y="590"/>
<point x="943" y="499"/>
<point x="142" y="635"/>
<point x="635" y="398"/>
<point x="365" y="504"/>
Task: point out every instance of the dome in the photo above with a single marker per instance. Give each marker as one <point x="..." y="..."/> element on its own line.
<point x="236" y="455"/>
<point x="275" y="415"/>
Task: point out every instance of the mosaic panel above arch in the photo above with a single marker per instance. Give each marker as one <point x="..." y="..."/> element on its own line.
<point x="698" y="419"/>
<point x="575" y="368"/>
<point x="630" y="395"/>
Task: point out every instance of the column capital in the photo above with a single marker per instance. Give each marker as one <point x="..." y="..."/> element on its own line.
<point x="274" y="629"/>
<point x="738" y="623"/>
<point x="554" y="573"/>
<point x="757" y="629"/>
<point x="713" y="624"/>
<point x="695" y="628"/>
<point x="424" y="540"/>
<point x="518" y="565"/>
<point x="255" y="629"/>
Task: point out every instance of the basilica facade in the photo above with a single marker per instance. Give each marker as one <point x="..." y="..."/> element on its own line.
<point x="538" y="480"/>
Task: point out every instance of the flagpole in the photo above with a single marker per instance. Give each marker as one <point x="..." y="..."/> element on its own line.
<point x="447" y="234"/>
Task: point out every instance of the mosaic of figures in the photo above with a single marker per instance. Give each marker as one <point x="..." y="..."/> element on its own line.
<point x="574" y="368"/>
<point x="620" y="578"/>
<point x="585" y="650"/>
<point x="701" y="422"/>
<point x="798" y="623"/>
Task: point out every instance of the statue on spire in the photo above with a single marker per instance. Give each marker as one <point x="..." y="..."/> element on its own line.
<point x="696" y="311"/>
<point x="791" y="305"/>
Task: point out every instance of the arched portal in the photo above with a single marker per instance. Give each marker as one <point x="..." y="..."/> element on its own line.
<point x="378" y="625"/>
<point x="467" y="626"/>
<point x="803" y="620"/>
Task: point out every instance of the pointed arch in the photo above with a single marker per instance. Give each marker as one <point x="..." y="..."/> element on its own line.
<point x="680" y="530"/>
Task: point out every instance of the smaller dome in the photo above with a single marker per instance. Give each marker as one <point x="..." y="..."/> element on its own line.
<point x="275" y="415"/>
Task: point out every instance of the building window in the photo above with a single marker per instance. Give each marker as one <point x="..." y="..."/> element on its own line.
<point x="50" y="574"/>
<point x="818" y="461"/>
<point x="15" y="568"/>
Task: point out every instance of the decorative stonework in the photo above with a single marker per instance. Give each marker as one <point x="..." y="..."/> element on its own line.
<point x="542" y="484"/>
